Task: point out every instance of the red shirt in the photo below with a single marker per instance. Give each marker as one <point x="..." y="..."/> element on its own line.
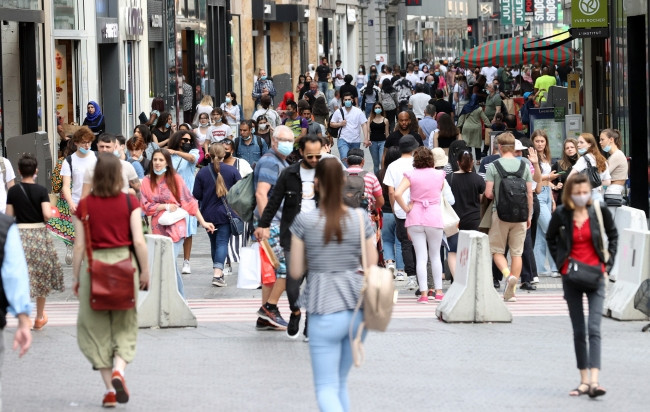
<point x="109" y="220"/>
<point x="583" y="248"/>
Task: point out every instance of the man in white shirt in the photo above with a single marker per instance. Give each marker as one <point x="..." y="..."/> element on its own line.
<point x="338" y="74"/>
<point x="354" y="127"/>
<point x="419" y="101"/>
<point x="411" y="75"/>
<point x="108" y="144"/>
<point x="489" y="73"/>
<point x="8" y="176"/>
<point x="392" y="179"/>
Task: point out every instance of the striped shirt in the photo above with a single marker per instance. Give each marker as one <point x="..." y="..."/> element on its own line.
<point x="333" y="281"/>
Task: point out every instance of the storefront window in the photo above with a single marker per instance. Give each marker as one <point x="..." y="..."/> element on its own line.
<point x="64" y="14"/>
<point x="22" y="4"/>
<point x="619" y="71"/>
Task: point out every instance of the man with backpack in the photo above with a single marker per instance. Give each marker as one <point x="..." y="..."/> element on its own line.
<point x="362" y="188"/>
<point x="294" y="192"/>
<point x="509" y="182"/>
<point x="404" y="89"/>
<point x="353" y="127"/>
<point x="248" y="147"/>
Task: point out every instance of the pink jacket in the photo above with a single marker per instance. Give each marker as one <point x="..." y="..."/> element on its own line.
<point x="161" y="194"/>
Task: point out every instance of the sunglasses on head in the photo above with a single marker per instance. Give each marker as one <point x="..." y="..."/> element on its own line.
<point x="227" y="142"/>
<point x="310" y="156"/>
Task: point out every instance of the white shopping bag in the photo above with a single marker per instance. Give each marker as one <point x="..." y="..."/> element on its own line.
<point x="249" y="274"/>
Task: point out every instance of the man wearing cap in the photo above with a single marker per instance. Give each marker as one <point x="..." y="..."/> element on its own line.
<point x="392" y="179"/>
<point x="502" y="233"/>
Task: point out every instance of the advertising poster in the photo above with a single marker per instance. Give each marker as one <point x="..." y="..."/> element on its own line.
<point x="61" y="74"/>
<point x="545" y="119"/>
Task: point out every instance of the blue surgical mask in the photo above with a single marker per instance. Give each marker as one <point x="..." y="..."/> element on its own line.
<point x="348" y="103"/>
<point x="607" y="148"/>
<point x="437" y="73"/>
<point x="285" y="148"/>
<point x="252" y="131"/>
<point x="167" y="125"/>
<point x="140" y="158"/>
<point x="83" y="150"/>
<point x="227" y="99"/>
<point x="161" y="171"/>
<point x="518" y="157"/>
<point x="262" y="77"/>
<point x="378" y="111"/>
<point x="582" y="151"/>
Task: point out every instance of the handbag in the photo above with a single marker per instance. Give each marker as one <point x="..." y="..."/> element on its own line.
<point x="586" y="277"/>
<point x="169" y="218"/>
<point x="450" y="219"/>
<point x="378" y="296"/>
<point x="111" y="284"/>
<point x="249" y="272"/>
<point x="236" y="224"/>
<point x="592" y="174"/>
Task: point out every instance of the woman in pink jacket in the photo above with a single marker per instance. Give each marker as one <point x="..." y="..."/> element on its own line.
<point x="163" y="190"/>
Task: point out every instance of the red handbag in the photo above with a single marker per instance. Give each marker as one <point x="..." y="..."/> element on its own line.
<point x="111" y="285"/>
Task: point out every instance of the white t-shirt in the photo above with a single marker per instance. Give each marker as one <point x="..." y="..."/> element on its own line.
<point x="220" y="132"/>
<point x="308" y="194"/>
<point x="128" y="174"/>
<point x="200" y="137"/>
<point x="271" y="115"/>
<point x="8" y="177"/>
<point x="462" y="97"/>
<point x="338" y="82"/>
<point x="384" y="76"/>
<point x="489" y="73"/>
<point x="243" y="167"/>
<point x="419" y="101"/>
<point x="355" y="118"/>
<point x="79" y="167"/>
<point x="393" y="177"/>
<point x="413" y="78"/>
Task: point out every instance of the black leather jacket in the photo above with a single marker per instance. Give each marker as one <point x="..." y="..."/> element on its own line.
<point x="287" y="188"/>
<point x="560" y="235"/>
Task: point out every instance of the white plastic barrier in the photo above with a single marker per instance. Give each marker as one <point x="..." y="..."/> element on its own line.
<point x="626" y="218"/>
<point x="472" y="297"/>
<point x="162" y="305"/>
<point x="634" y="255"/>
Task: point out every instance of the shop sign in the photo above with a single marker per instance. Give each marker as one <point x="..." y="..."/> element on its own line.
<point x="506" y="12"/>
<point x="485" y="9"/>
<point x="110" y="31"/>
<point x="156" y="21"/>
<point x="588" y="14"/>
<point x="519" y="12"/>
<point x="545" y="11"/>
<point x="134" y="24"/>
<point x="530" y="6"/>
<point x="61" y="74"/>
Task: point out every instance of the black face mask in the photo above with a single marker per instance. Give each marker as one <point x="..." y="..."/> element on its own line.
<point x="227" y="155"/>
<point x="573" y="158"/>
<point x="186" y="147"/>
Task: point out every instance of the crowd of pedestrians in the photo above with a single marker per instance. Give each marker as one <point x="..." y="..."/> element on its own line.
<point x="424" y="127"/>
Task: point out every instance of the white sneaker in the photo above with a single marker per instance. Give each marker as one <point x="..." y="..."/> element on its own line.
<point x="186" y="267"/>
<point x="391" y="266"/>
<point x="227" y="271"/>
<point x="411" y="284"/>
<point x="556" y="275"/>
<point x="509" y="292"/>
<point x="535" y="280"/>
<point x="400" y="276"/>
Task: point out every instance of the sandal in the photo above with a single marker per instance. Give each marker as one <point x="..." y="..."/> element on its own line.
<point x="595" y="390"/>
<point x="577" y="391"/>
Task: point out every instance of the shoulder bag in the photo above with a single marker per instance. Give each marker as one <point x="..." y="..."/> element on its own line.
<point x="236" y="224"/>
<point x="588" y="277"/>
<point x="592" y="174"/>
<point x="450" y="219"/>
<point x="378" y="296"/>
<point x="111" y="285"/>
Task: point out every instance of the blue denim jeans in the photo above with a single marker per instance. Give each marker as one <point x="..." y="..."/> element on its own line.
<point x="541" y="249"/>
<point x="344" y="147"/>
<point x="322" y="86"/>
<point x="331" y="357"/>
<point x="178" y="248"/>
<point x="392" y="245"/>
<point x="368" y="108"/>
<point x="219" y="245"/>
<point x="377" y="151"/>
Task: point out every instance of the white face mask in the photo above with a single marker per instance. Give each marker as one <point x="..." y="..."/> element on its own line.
<point x="262" y="126"/>
<point x="581" y="200"/>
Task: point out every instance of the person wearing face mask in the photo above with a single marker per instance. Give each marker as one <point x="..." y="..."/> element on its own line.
<point x="589" y="153"/>
<point x="576" y="235"/>
<point x="563" y="167"/>
<point x="263" y="87"/>
<point x="361" y="78"/>
<point x="203" y="133"/>
<point x="163" y="129"/>
<point x="297" y="124"/>
<point x="123" y="155"/>
<point x="136" y="148"/>
<point x="184" y="156"/>
<point x="247" y="146"/>
<point x="231" y="108"/>
<point x="294" y="191"/>
<point x="130" y="183"/>
<point x="220" y="130"/>
<point x="610" y="141"/>
<point x="266" y="110"/>
<point x="264" y="130"/>
<point x="354" y="127"/>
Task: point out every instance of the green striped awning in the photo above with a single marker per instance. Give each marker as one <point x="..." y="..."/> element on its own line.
<point x="510" y="52"/>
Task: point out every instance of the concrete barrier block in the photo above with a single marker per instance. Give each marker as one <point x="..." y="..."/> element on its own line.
<point x="472" y="298"/>
<point x="634" y="264"/>
<point x="626" y="218"/>
<point x="162" y="306"/>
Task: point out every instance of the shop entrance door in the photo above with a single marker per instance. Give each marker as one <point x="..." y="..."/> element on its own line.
<point x="109" y="86"/>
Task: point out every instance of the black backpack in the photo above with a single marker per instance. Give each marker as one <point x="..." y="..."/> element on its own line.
<point x="354" y="190"/>
<point x="331" y="130"/>
<point x="512" y="205"/>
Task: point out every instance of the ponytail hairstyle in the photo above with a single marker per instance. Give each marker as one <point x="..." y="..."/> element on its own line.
<point x="217" y="153"/>
<point x="466" y="161"/>
<point x="330" y="187"/>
